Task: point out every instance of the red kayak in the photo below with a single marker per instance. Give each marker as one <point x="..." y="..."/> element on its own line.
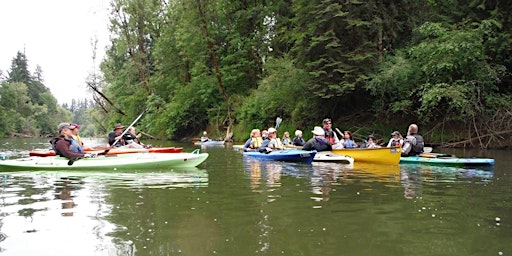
<point x="114" y="151"/>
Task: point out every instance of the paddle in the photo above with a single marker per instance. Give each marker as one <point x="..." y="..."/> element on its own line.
<point x="338" y="130"/>
<point x="71" y="161"/>
<point x="278" y="121"/>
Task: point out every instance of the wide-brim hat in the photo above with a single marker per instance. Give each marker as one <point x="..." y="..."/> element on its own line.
<point x="318" y="131"/>
<point x="118" y="126"/>
<point x="271" y="130"/>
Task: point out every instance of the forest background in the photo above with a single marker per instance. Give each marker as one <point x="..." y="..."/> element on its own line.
<point x="230" y="66"/>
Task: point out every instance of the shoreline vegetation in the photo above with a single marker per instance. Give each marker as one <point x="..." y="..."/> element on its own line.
<point x="227" y="67"/>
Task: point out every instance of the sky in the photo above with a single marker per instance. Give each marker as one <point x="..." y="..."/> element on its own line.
<point x="56" y="35"/>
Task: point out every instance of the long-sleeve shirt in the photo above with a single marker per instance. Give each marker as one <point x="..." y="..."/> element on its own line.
<point x="62" y="146"/>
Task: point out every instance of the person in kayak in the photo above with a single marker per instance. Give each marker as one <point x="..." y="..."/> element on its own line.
<point x="115" y="135"/>
<point x="298" y="140"/>
<point x="318" y="142"/>
<point x="205" y="137"/>
<point x="273" y="142"/>
<point x="254" y="142"/>
<point x="286" y="139"/>
<point x="76" y="136"/>
<point x="370" y="142"/>
<point x="64" y="145"/>
<point x="330" y="135"/>
<point x="348" y="141"/>
<point x="131" y="139"/>
<point x="396" y="140"/>
<point x="413" y="143"/>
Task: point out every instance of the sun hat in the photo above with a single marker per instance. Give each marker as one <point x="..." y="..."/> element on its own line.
<point x="118" y="126"/>
<point x="271" y="130"/>
<point x="395" y="133"/>
<point x="318" y="131"/>
<point x="297" y="132"/>
<point x="63" y="126"/>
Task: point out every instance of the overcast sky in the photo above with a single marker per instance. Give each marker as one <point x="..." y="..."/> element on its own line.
<point x="56" y="35"/>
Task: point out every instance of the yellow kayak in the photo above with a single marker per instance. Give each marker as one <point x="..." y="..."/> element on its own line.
<point x="383" y="155"/>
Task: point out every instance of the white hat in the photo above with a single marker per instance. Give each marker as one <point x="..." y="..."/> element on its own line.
<point x="271" y="130"/>
<point x="204" y="133"/>
<point x="318" y="131"/>
<point x="297" y="132"/>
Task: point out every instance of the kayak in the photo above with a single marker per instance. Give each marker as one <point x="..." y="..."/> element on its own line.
<point x="114" y="162"/>
<point x="445" y="160"/>
<point x="285" y="155"/>
<point x="384" y="155"/>
<point x="210" y="143"/>
<point x="327" y="156"/>
<point x="113" y="151"/>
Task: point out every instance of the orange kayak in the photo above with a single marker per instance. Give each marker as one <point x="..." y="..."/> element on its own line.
<point x="114" y="151"/>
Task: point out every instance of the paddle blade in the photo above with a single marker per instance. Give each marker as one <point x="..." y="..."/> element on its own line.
<point x="278" y="121"/>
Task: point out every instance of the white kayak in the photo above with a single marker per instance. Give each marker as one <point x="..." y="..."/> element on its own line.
<point x="112" y="162"/>
<point x="210" y="143"/>
<point x="328" y="156"/>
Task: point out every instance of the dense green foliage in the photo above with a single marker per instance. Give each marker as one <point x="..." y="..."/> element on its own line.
<point x="27" y="107"/>
<point x="240" y="64"/>
<point x="230" y="66"/>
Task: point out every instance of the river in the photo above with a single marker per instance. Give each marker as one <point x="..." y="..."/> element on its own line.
<point x="230" y="205"/>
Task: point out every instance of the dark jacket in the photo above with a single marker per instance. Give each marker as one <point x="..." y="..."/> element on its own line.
<point x="112" y="138"/>
<point x="318" y="144"/>
<point x="62" y="147"/>
<point x="298" y="141"/>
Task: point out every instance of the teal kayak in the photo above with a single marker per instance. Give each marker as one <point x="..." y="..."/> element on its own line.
<point x="445" y="160"/>
<point x="285" y="155"/>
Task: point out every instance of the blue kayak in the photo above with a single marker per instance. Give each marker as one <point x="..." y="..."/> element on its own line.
<point x="446" y="160"/>
<point x="286" y="155"/>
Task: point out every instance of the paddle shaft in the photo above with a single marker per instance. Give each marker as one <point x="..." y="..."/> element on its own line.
<point x="338" y="130"/>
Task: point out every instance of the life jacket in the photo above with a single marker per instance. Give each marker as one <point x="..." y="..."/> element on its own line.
<point x="256" y="142"/>
<point x="394" y="142"/>
<point x="275" y="144"/>
<point x="413" y="145"/>
<point x="420" y="144"/>
<point x="329" y="136"/>
<point x="75" y="146"/>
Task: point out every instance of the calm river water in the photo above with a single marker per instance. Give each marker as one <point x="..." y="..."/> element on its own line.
<point x="230" y="205"/>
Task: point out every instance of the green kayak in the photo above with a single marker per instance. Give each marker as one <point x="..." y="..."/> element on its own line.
<point x="112" y="162"/>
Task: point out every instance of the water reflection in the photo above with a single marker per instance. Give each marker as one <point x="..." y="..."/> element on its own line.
<point x="413" y="176"/>
<point x="325" y="177"/>
<point x="264" y="175"/>
<point x="34" y="203"/>
<point x="64" y="187"/>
